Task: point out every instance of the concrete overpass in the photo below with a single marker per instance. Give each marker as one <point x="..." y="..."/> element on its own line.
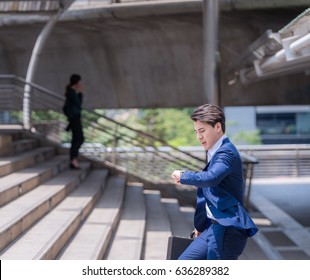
<point x="150" y="54"/>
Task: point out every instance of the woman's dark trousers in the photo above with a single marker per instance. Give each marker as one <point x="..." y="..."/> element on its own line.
<point x="77" y="137"/>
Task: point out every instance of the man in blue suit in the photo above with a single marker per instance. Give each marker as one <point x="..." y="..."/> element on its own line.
<point x="222" y="225"/>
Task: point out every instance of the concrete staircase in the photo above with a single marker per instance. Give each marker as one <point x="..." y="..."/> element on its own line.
<point x="49" y="211"/>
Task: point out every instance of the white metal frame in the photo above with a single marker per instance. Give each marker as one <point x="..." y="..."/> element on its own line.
<point x="292" y="57"/>
<point x="34" y="59"/>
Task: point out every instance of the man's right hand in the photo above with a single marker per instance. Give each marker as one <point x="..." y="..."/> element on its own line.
<point x="196" y="233"/>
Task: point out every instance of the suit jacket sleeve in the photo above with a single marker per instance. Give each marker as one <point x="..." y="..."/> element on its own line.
<point x="220" y="167"/>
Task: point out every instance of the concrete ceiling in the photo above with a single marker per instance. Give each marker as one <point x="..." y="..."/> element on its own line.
<point x="132" y="59"/>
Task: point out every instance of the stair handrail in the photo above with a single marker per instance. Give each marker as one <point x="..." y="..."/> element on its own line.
<point x="61" y="98"/>
<point x="185" y="160"/>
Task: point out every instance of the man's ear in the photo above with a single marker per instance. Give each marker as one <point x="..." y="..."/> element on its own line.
<point x="218" y="126"/>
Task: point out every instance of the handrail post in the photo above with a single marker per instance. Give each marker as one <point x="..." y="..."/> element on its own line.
<point x="297" y="162"/>
<point x="250" y="167"/>
<point x="115" y="140"/>
<point x="26" y="106"/>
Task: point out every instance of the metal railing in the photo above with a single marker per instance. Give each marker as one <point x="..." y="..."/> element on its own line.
<point x="283" y="160"/>
<point x="134" y="151"/>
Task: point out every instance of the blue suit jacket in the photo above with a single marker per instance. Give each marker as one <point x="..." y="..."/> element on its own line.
<point x="221" y="186"/>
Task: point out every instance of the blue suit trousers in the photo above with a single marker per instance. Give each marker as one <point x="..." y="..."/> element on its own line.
<point x="217" y="242"/>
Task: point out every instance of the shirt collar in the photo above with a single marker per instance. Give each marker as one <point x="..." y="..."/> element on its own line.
<point x="215" y="147"/>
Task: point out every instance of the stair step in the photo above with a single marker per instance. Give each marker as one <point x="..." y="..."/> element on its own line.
<point x="24" y="160"/>
<point x="21" y="213"/>
<point x="13" y="144"/>
<point x="8" y="136"/>
<point x="290" y="227"/>
<point x="180" y="226"/>
<point x="5" y="143"/>
<point x="188" y="213"/>
<point x="18" y="183"/>
<point x="92" y="240"/>
<point x="157" y="227"/>
<point x="47" y="237"/>
<point x="23" y="145"/>
<point x="128" y="239"/>
<point x="252" y="251"/>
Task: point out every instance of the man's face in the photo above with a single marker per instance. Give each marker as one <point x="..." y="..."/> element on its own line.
<point x="206" y="134"/>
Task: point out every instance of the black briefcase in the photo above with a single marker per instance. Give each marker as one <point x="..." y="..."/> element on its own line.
<point x="176" y="246"/>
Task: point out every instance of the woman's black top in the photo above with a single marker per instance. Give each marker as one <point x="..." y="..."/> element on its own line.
<point x="73" y="104"/>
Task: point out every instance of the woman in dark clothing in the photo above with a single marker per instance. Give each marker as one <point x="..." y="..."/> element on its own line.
<point x="72" y="109"/>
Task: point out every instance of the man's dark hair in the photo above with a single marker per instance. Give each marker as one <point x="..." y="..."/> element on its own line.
<point x="210" y="114"/>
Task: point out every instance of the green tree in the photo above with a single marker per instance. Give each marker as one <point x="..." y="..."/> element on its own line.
<point x="174" y="126"/>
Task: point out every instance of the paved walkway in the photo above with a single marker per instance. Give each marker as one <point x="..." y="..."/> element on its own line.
<point x="290" y="194"/>
<point x="281" y="210"/>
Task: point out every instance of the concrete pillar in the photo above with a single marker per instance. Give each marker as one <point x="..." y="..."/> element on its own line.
<point x="210" y="37"/>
